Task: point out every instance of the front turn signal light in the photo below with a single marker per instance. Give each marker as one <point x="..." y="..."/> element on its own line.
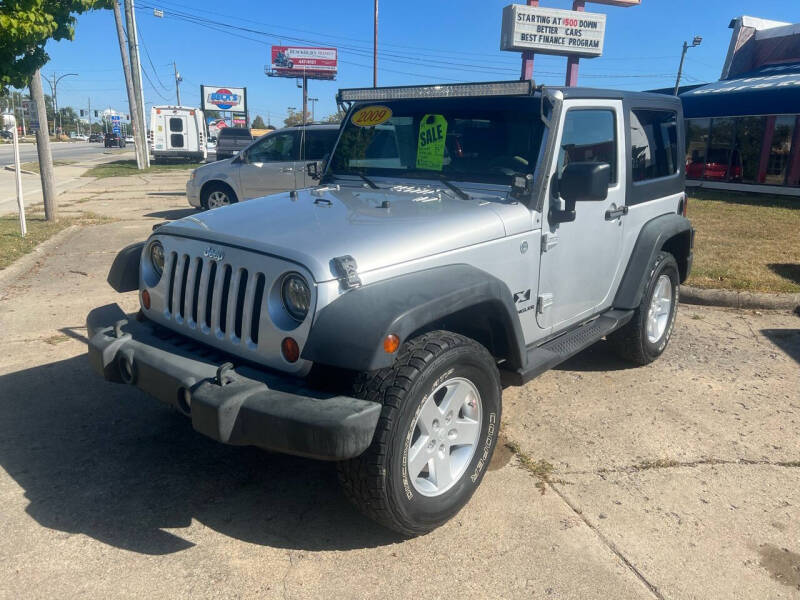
<point x="391" y="343"/>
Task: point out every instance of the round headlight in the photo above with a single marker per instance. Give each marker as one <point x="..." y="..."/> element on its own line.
<point x="157" y="257"/>
<point x="296" y="296"/>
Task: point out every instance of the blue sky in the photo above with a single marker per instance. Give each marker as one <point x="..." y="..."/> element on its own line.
<point x="420" y="42"/>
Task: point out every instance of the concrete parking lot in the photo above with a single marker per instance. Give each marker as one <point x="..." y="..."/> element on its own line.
<point x="676" y="480"/>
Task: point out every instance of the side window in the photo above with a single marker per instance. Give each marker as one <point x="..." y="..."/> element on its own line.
<point x="589" y="135"/>
<point x="654" y="144"/>
<point x="278" y="147"/>
<point x="319" y="143"/>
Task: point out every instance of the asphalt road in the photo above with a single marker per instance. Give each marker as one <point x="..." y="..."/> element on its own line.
<point x="61" y="151"/>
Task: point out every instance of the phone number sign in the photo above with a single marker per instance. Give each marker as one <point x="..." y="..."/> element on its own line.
<point x="552" y="31"/>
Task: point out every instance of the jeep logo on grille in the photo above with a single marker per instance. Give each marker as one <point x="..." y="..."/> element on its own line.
<point x="214" y="254"/>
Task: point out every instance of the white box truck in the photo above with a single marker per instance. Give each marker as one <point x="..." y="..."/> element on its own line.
<point x="177" y="132"/>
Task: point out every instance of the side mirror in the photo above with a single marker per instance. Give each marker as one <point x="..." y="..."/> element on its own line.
<point x="581" y="181"/>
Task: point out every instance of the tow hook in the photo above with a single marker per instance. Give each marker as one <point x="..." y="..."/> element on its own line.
<point x="225" y="374"/>
<point x="118" y="328"/>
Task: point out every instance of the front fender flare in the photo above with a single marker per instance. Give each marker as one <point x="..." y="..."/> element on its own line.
<point x="348" y="333"/>
<point x="124" y="273"/>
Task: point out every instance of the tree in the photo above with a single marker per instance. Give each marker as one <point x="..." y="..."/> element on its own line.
<point x="337" y="117"/>
<point x="258" y="123"/>
<point x="295" y="118"/>
<point x="25" y="27"/>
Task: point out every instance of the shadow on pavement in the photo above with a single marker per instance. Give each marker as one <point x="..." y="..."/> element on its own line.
<point x="597" y="357"/>
<point x="106" y="461"/>
<point x="173" y="214"/>
<point x="787" y="340"/>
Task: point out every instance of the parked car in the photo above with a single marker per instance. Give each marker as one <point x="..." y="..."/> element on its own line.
<point x="231" y="140"/>
<point x="129" y="139"/>
<point x="275" y="162"/>
<point x="720" y="165"/>
<point x="80" y="137"/>
<point x="177" y="132"/>
<point x="6" y="135"/>
<point x="96" y="137"/>
<point x="113" y="140"/>
<point x="514" y="230"/>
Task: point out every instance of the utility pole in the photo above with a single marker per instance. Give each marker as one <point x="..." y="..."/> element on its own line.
<point x="375" y="49"/>
<point x="132" y="101"/>
<point x="178" y="80"/>
<point x="43" y="149"/>
<point x="136" y="73"/>
<point x="695" y="42"/>
<point x="305" y="97"/>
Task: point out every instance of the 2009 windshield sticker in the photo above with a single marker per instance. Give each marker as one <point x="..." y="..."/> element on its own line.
<point x="430" y="144"/>
<point x="369" y="116"/>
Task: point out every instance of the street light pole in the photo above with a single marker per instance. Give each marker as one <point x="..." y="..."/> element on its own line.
<point x="54" y="92"/>
<point x="695" y="42"/>
<point x="375" y="49"/>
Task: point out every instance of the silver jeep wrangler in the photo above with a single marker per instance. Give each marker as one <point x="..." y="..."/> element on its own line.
<point x="461" y="238"/>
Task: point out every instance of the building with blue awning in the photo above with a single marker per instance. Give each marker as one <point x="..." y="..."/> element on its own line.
<point x="743" y="131"/>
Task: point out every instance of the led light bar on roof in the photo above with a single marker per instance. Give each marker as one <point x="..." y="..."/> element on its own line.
<point x="450" y="90"/>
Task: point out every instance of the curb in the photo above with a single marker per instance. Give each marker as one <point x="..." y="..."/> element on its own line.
<point x="733" y="299"/>
<point x="13" y="168"/>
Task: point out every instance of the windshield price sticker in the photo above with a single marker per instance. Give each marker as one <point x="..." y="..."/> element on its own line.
<point x="369" y="116"/>
<point x="430" y="144"/>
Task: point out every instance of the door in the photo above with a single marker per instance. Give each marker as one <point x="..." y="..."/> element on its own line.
<point x="316" y="145"/>
<point x="268" y="166"/>
<point x="580" y="259"/>
<point x="176" y="136"/>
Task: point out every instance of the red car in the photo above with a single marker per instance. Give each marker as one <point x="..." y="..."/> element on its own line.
<point x="720" y="165"/>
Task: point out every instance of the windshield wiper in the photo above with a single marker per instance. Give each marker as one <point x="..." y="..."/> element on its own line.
<point x="456" y="190"/>
<point x="368" y="181"/>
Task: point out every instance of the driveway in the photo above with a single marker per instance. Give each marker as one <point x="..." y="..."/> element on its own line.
<point x="677" y="480"/>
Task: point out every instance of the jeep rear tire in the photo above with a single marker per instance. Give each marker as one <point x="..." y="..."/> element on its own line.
<point x="645" y="337"/>
<point x="435" y="437"/>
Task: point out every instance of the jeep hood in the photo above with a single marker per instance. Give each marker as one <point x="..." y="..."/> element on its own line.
<point x="378" y="228"/>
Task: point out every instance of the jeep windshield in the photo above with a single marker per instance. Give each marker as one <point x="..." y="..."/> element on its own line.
<point x="486" y="140"/>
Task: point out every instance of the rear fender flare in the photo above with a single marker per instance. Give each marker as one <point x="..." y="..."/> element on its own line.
<point x="652" y="237"/>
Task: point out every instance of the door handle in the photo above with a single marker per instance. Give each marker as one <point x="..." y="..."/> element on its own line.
<point x="287" y="169"/>
<point x="616" y="213"/>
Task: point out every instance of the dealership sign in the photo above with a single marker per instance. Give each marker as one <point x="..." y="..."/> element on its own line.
<point x="552" y="31"/>
<point x="224" y="98"/>
<point x="293" y="61"/>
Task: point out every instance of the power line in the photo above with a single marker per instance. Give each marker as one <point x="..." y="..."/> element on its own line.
<point x="152" y="66"/>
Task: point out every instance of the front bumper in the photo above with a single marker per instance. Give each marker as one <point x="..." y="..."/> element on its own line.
<point x="246" y="407"/>
<point x="193" y="193"/>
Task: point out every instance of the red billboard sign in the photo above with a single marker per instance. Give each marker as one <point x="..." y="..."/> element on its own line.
<point x="293" y="61"/>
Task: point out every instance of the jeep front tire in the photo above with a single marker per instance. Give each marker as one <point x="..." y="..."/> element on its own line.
<point x="435" y="437"/>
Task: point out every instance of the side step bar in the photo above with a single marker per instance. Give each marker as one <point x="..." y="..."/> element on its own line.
<point x="548" y="355"/>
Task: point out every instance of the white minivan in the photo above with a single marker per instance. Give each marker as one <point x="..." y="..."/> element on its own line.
<point x="177" y="132"/>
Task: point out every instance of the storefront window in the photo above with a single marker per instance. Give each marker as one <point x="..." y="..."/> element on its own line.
<point x="780" y="150"/>
<point x="719" y="158"/>
<point x="749" y="137"/>
<point x="696" y="143"/>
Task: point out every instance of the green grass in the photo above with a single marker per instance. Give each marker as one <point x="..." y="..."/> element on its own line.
<point x="745" y="242"/>
<point x="34" y="166"/>
<point x="13" y="245"/>
<point x="124" y="168"/>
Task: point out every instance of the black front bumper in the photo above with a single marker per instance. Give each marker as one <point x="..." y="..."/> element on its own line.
<point x="245" y="406"/>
